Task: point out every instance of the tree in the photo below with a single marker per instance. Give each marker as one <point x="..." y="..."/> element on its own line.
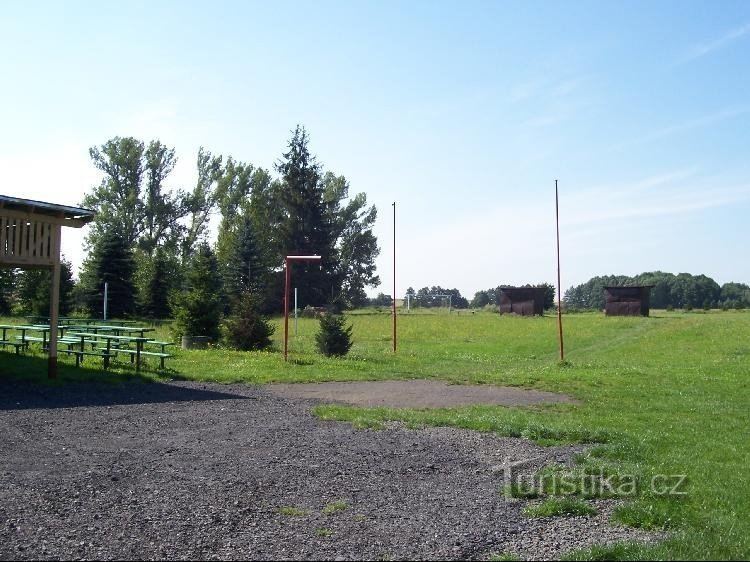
<point x="7" y="285"/>
<point x="35" y="288"/>
<point x="356" y="244"/>
<point x="199" y="203"/>
<point x="247" y="329"/>
<point x="303" y="228"/>
<point x="117" y="202"/>
<point x="198" y="307"/>
<point x="156" y="278"/>
<point x="161" y="211"/>
<point x="144" y="216"/>
<point x="334" y="338"/>
<point x="111" y="262"/>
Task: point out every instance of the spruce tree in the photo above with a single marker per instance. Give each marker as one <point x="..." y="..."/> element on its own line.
<point x="109" y="261"/>
<point x="246" y="328"/>
<point x="198" y="307"/>
<point x="334" y="338"/>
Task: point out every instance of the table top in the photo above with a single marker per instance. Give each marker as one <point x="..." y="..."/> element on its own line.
<point x="38" y="328"/>
<point x="106" y="336"/>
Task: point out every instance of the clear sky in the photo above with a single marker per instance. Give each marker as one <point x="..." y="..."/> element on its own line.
<point x="464" y="113"/>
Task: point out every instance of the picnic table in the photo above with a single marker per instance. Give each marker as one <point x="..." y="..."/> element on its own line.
<point x="5" y="341"/>
<point x="34" y="328"/>
<point x="117" y="330"/>
<point x="108" y="351"/>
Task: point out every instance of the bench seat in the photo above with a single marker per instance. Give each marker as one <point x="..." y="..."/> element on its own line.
<point x="133" y="353"/>
<point x="79" y="355"/>
<point x="17" y="345"/>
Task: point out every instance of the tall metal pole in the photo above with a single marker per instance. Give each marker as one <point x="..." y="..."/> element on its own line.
<point x="287" y="266"/>
<point x="394" y="277"/>
<point x="106" y="291"/>
<point x="559" y="302"/>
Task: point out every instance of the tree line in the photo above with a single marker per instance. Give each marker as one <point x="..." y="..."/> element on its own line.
<point x="151" y="245"/>
<point x="669" y="291"/>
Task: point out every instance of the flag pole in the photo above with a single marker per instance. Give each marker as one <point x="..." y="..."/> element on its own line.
<point x="394" y="277"/>
<point x="559" y="302"/>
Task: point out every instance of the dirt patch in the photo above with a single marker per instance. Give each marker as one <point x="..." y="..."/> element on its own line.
<point x="416" y="394"/>
<point x="190" y="471"/>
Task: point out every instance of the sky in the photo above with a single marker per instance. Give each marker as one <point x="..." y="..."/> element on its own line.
<point x="463" y="113"/>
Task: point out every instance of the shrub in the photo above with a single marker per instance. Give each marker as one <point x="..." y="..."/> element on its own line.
<point x="334" y="338"/>
<point x="246" y="328"/>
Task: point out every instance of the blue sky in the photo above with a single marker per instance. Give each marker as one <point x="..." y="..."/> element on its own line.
<point x="463" y="112"/>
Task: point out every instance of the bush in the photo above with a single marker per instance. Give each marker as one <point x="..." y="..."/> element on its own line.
<point x="246" y="328"/>
<point x="334" y="338"/>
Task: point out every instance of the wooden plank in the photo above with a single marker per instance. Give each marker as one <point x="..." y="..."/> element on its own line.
<point x="17" y="237"/>
<point x="3" y="236"/>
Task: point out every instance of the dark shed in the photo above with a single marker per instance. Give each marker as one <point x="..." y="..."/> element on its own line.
<point x="526" y="301"/>
<point x="627" y="301"/>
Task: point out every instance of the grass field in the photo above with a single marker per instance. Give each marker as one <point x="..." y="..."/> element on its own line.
<point x="665" y="395"/>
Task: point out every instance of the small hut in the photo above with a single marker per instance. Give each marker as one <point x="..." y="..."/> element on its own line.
<point x="30" y="238"/>
<point x="627" y="301"/>
<point x="525" y="301"/>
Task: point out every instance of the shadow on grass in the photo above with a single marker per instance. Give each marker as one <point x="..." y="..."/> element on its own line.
<point x="24" y="384"/>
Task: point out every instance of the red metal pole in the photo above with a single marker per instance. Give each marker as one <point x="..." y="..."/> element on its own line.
<point x="559" y="302"/>
<point x="287" y="279"/>
<point x="394" y="277"/>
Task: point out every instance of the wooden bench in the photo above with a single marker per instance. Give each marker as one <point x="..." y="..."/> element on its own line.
<point x="17" y="345"/>
<point x="79" y="355"/>
<point x="133" y="353"/>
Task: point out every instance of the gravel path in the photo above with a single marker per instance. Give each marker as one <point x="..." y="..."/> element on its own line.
<point x="186" y="470"/>
<point x="416" y="394"/>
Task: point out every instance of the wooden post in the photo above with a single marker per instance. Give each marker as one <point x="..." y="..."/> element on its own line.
<point x="287" y="275"/>
<point x="54" y="307"/>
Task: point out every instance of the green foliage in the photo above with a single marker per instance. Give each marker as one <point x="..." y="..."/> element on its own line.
<point x="334" y="337"/>
<point x="156" y="278"/>
<point x="430" y="297"/>
<point x="35" y="286"/>
<point x="137" y="214"/>
<point x="313" y="218"/>
<point x="109" y="261"/>
<point x="669" y="291"/>
<point x="553" y="507"/>
<point x="7" y="286"/>
<point x="198" y="307"/>
<point x="246" y="328"/>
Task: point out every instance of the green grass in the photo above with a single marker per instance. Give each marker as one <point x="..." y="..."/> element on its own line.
<point x="323" y="532"/>
<point x="661" y="395"/>
<point x="552" y="507"/>
<point x="292" y="511"/>
<point x="335" y="507"/>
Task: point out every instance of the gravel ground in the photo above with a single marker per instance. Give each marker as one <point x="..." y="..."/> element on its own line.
<point x="187" y="470"/>
<point x="416" y="394"/>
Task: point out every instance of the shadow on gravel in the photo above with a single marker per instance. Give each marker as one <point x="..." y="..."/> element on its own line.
<point x="24" y="385"/>
<point x="22" y="395"/>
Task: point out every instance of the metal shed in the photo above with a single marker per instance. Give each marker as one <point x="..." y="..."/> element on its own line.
<point x="627" y="301"/>
<point x="525" y="301"/>
<point x="30" y="238"/>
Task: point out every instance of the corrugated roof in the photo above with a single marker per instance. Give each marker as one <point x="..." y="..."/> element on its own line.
<point x="44" y="208"/>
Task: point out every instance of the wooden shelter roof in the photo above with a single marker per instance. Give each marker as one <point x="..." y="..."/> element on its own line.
<point x="75" y="217"/>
